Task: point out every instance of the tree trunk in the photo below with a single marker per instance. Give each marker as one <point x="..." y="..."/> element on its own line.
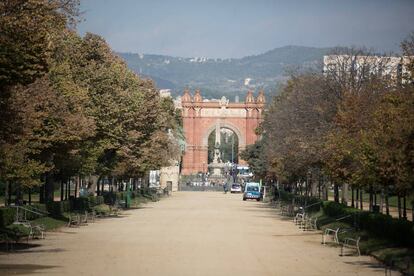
<point x="371" y="198"/>
<point x="77" y="183"/>
<point x="336" y="192"/>
<point x="98" y="188"/>
<point x="67" y="192"/>
<point x="62" y="190"/>
<point x="42" y="194"/>
<point x="49" y="193"/>
<point x="412" y="210"/>
<point x="6" y="194"/>
<point x="30" y="196"/>
<point x="387" y="205"/>
<point x="399" y="206"/>
<point x="9" y="200"/>
<point x="326" y="190"/>
<point x="361" y="206"/>
<point x="382" y="201"/>
<point x="345" y="193"/>
<point x="405" y="207"/>
<point x="352" y="197"/>
<point x="357" y="198"/>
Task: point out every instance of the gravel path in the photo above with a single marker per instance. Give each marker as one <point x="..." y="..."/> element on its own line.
<point x="190" y="233"/>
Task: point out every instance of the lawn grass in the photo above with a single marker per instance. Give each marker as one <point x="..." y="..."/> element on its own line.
<point x="392" y="200"/>
<point x="50" y="223"/>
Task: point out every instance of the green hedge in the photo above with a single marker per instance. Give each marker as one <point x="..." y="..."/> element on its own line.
<point x="95" y="200"/>
<point x="81" y="204"/>
<point x="301" y="200"/>
<point x="396" y="230"/>
<point x="57" y="208"/>
<point x="7" y="216"/>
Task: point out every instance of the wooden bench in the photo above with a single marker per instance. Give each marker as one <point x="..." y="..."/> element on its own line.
<point x="332" y="233"/>
<point x="38" y="231"/>
<point x="351" y="244"/>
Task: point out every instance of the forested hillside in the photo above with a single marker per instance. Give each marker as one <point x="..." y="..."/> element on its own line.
<point x="230" y="77"/>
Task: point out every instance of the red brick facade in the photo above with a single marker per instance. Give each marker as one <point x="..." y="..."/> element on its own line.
<point x="200" y="119"/>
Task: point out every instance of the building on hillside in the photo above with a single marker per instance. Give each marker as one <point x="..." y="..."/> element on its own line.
<point x="396" y="68"/>
<point x="165" y="93"/>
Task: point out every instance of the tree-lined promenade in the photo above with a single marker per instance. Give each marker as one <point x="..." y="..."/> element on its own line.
<point x="190" y="233"/>
<point x="70" y="108"/>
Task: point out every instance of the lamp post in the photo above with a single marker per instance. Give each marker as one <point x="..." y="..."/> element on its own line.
<point x="232" y="149"/>
<point x="204" y="174"/>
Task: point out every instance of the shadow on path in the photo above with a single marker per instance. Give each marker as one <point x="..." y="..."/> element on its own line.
<point x="17" y="269"/>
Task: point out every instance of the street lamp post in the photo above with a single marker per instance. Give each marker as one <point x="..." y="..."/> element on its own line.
<point x="232" y="149"/>
<point x="204" y="174"/>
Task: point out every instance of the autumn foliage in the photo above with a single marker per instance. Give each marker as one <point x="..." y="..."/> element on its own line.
<point x="347" y="128"/>
<point x="69" y="106"/>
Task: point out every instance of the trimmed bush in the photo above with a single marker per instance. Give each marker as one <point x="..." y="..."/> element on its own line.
<point x="17" y="231"/>
<point x="81" y="204"/>
<point x="109" y="197"/>
<point x="99" y="200"/>
<point x="57" y="208"/>
<point x="7" y="216"/>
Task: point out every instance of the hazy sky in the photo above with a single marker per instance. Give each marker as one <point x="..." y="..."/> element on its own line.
<point x="230" y="28"/>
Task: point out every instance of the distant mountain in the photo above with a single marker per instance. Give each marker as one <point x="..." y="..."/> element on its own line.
<point x="230" y="77"/>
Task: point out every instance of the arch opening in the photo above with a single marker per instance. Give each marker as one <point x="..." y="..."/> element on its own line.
<point x="228" y="146"/>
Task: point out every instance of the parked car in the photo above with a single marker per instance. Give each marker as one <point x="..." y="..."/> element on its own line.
<point x="236" y="188"/>
<point x="252" y="191"/>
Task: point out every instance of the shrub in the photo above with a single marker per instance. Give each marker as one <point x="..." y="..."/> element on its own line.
<point x="7" y="216"/>
<point x="102" y="209"/>
<point x="109" y="197"/>
<point x="99" y="200"/>
<point x="383" y="226"/>
<point x="81" y="204"/>
<point x="57" y="208"/>
<point x="17" y="231"/>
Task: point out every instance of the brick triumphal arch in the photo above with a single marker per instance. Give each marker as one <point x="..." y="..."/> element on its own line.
<point x="201" y="118"/>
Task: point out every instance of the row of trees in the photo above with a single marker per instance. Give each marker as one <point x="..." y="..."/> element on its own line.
<point x="350" y="127"/>
<point x="69" y="106"/>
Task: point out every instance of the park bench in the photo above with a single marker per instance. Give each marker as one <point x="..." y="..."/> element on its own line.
<point x="350" y="243"/>
<point x="114" y="210"/>
<point x="330" y="233"/>
<point x="92" y="216"/>
<point x="83" y="218"/>
<point x="310" y="223"/>
<point x="299" y="218"/>
<point x="74" y="220"/>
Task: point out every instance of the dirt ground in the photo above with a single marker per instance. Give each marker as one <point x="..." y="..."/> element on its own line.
<point x="190" y="233"/>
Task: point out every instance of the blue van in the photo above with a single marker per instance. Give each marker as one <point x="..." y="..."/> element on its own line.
<point x="252" y="191"/>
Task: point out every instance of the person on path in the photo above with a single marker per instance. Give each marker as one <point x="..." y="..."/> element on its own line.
<point x="225" y="188"/>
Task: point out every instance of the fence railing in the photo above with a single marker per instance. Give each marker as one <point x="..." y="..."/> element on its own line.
<point x="22" y="212"/>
